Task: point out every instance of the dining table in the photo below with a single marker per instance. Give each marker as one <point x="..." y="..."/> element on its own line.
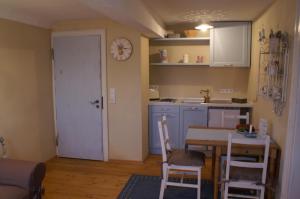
<point x="217" y="139"/>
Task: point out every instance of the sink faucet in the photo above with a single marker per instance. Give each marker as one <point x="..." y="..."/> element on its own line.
<point x="206" y="96"/>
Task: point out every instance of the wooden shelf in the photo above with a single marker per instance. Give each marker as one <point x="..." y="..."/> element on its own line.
<point x="183" y="39"/>
<point x="179" y="64"/>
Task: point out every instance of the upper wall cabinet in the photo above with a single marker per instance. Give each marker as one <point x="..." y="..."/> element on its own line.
<point x="230" y="44"/>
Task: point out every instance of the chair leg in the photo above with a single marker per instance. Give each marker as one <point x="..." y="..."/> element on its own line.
<point x="262" y="193"/>
<point x="162" y="189"/>
<point x="226" y="191"/>
<point x="199" y="184"/>
<point x="163" y="181"/>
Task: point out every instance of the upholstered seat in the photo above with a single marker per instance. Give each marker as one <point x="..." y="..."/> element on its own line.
<point x="21" y="179"/>
<point x="186" y="158"/>
<point x="250" y="174"/>
<point x="13" y="192"/>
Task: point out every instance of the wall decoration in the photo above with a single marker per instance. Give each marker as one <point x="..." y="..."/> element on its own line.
<point x="273" y="68"/>
<point x="121" y="49"/>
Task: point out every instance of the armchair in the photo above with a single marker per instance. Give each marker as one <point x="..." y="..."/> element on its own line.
<point x="21" y="179"/>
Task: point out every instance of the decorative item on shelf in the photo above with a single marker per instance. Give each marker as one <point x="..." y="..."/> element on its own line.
<point x="173" y="35"/>
<point x="185" y="58"/>
<point x="273" y="68"/>
<point x="199" y="59"/>
<point x="191" y="33"/>
<point x="163" y="54"/>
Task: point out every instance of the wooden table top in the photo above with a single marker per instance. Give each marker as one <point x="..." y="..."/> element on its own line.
<point x="217" y="137"/>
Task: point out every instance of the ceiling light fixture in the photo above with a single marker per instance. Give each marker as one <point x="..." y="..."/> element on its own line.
<point x="204" y="27"/>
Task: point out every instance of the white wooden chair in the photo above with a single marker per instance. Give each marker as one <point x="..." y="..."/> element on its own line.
<point x="245" y="117"/>
<point x="258" y="185"/>
<point x="178" y="162"/>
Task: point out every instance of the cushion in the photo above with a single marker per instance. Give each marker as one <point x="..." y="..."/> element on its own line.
<point x="186" y="158"/>
<point x="12" y="192"/>
<point x="27" y="175"/>
<point x="251" y="174"/>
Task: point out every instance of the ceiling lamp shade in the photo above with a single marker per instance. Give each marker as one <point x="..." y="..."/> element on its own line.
<point x="204" y="27"/>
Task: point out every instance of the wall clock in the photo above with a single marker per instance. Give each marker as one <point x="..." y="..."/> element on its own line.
<point x="121" y="49"/>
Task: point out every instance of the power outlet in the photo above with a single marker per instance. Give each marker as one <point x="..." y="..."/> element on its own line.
<point x="226" y="91"/>
<point x="112" y="95"/>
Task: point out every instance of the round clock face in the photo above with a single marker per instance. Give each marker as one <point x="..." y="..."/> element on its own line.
<point x="121" y="49"/>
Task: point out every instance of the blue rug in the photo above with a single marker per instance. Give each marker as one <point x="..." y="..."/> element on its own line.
<point x="148" y="187"/>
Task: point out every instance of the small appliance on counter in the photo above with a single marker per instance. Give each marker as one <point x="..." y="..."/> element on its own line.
<point x="153" y="93"/>
<point x="239" y="100"/>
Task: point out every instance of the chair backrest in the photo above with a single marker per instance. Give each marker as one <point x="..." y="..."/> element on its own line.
<point x="245" y="117"/>
<point x="164" y="137"/>
<point x="256" y="165"/>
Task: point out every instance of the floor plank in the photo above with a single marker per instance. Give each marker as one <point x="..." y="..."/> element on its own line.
<point x="79" y="179"/>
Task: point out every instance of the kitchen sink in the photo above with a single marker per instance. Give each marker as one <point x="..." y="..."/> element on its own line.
<point x="220" y="101"/>
<point x="193" y="100"/>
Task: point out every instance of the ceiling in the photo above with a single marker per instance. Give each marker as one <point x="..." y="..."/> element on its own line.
<point x="147" y="16"/>
<point x="185" y="11"/>
<point x="45" y="13"/>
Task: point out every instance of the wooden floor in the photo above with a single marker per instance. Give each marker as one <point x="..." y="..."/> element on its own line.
<point x="78" y="179"/>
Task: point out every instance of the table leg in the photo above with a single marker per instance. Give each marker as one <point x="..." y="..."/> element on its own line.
<point x="217" y="171"/>
<point x="272" y="173"/>
<point x="213" y="163"/>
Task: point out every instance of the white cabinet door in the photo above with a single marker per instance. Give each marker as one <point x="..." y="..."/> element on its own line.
<point x="216" y="119"/>
<point x="230" y="44"/>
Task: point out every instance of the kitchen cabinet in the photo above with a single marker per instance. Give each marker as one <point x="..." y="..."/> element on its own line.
<point x="230" y="44"/>
<point x="156" y="112"/>
<point x="191" y="116"/>
<point x="215" y="118"/>
<point x="181" y="116"/>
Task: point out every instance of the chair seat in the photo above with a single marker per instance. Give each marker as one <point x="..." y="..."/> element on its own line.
<point x="245" y="184"/>
<point x="186" y="158"/>
<point x="238" y="173"/>
<point x="12" y="192"/>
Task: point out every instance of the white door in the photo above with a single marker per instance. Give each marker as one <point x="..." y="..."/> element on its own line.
<point x="78" y="96"/>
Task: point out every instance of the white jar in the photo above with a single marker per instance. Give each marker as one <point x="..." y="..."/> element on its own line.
<point x="185" y="58"/>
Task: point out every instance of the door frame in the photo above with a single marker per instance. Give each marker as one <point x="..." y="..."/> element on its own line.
<point x="103" y="69"/>
<point x="294" y="116"/>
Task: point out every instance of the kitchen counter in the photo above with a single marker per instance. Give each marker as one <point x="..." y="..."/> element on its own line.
<point x="230" y="105"/>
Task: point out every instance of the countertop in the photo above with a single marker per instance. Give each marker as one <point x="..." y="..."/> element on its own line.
<point x="229" y="105"/>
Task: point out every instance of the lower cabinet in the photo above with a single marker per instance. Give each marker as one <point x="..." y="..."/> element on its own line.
<point x="155" y="114"/>
<point x="179" y="118"/>
<point x="191" y="116"/>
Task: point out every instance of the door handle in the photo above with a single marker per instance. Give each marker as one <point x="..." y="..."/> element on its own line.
<point x="94" y="102"/>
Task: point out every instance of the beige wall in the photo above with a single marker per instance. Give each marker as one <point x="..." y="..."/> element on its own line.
<point x="124" y="117"/>
<point x="145" y="98"/>
<point x="187" y="81"/>
<point x="280" y="16"/>
<point x="26" y="116"/>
